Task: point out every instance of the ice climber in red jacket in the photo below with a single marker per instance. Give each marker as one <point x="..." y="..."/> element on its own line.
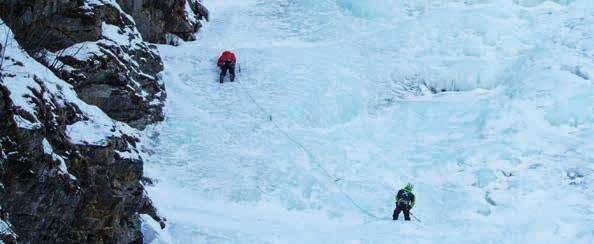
<point x="227" y="62"/>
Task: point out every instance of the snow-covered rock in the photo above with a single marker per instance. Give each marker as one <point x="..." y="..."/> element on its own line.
<point x="7" y="234"/>
<point x="97" y="48"/>
<point x="158" y="20"/>
<point x="63" y="161"/>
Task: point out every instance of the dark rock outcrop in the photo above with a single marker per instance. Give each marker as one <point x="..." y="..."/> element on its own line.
<point x="68" y="172"/>
<point x="96" y="47"/>
<point x="162" y="21"/>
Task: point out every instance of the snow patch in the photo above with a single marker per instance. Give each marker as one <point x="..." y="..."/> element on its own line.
<point x="131" y="155"/>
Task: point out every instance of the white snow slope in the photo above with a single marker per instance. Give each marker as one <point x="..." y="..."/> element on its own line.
<point x="507" y="159"/>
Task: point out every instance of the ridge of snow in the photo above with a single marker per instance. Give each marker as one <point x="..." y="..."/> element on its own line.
<point x="62" y="168"/>
<point x="89" y="4"/>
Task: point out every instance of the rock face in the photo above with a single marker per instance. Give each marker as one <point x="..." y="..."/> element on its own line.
<point x="163" y="21"/>
<point x="68" y="172"/>
<point x="7" y="234"/>
<point x="96" y="47"/>
<point x="71" y="172"/>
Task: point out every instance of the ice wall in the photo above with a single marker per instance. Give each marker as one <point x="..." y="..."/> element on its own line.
<point x="501" y="156"/>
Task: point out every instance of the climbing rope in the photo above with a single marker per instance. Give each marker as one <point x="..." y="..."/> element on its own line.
<point x="310" y="155"/>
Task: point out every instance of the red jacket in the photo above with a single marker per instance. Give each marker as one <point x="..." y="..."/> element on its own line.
<point x="227" y="56"/>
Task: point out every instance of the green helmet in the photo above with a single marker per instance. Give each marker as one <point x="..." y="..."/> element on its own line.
<point x="409" y="187"/>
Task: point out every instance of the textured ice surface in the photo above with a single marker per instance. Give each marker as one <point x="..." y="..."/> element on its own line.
<point x="507" y="159"/>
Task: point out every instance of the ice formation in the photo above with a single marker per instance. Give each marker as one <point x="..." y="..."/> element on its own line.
<point x="485" y="105"/>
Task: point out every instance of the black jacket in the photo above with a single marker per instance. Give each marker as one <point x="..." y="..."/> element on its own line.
<point x="405" y="198"/>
